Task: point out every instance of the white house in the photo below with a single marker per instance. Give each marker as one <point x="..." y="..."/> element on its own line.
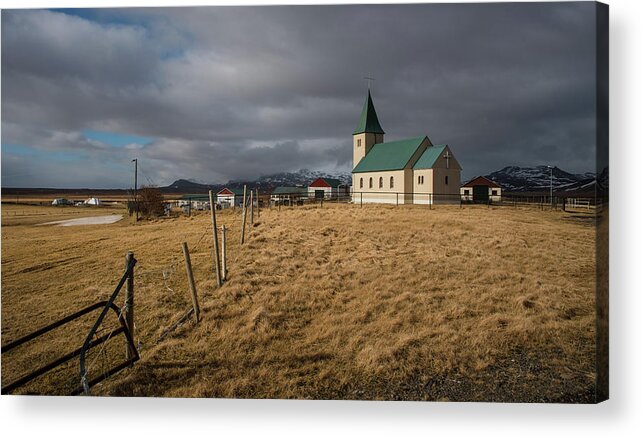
<point x="481" y="190"/>
<point x="230" y="197"/>
<point x="328" y="188"/>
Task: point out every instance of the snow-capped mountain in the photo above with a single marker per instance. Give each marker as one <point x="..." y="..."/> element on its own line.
<point x="512" y="178"/>
<point x="302" y="177"/>
<point x="538" y="178"/>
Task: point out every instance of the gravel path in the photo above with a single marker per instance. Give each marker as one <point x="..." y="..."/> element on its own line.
<point x="95" y="220"/>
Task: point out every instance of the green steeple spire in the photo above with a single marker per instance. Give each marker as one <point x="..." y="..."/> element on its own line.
<point x="368" y="122"/>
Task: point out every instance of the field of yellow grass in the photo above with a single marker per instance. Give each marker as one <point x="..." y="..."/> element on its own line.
<point x="339" y="302"/>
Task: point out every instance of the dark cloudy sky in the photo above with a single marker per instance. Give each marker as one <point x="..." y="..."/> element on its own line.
<point x="213" y="93"/>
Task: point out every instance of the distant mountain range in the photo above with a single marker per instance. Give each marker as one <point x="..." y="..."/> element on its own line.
<point x="511" y="179"/>
<point x="538" y="179"/>
<point x="303" y="177"/>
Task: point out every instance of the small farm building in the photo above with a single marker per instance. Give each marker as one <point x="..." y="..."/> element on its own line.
<point x="198" y="202"/>
<point x="481" y="190"/>
<point x="328" y="188"/>
<point x="230" y="197"/>
<point x="288" y="195"/>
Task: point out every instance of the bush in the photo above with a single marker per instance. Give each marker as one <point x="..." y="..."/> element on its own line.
<point x="150" y="202"/>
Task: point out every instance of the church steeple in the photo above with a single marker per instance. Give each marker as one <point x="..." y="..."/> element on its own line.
<point x="368" y="122"/>
<point x="368" y="132"/>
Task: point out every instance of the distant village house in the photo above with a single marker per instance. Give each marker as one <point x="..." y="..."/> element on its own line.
<point x="230" y="197"/>
<point x="328" y="188"/>
<point x="481" y="190"/>
<point x="288" y="195"/>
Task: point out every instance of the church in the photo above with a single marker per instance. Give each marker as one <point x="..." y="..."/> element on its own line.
<point x="412" y="170"/>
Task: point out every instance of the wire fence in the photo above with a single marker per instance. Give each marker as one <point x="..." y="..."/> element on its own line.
<point x="430" y="200"/>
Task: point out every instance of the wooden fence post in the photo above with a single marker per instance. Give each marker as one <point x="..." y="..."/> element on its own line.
<point x="190" y="279"/>
<point x="362" y="199"/>
<point x="217" y="258"/>
<point x="129" y="303"/>
<point x="251" y="207"/>
<point x="244" y="214"/>
<point x="224" y="251"/>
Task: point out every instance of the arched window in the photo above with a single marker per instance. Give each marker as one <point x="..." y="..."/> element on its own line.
<point x="358" y="143"/>
<point x="446" y="180"/>
<point x="392" y="182"/>
<point x="370" y="183"/>
<point x="380" y="182"/>
<point x="360" y="182"/>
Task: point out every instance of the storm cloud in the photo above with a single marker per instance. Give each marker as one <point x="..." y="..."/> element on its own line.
<point x="236" y="92"/>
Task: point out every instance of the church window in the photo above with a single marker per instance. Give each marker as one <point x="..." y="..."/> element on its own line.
<point x="370" y="186"/>
<point x="392" y="182"/>
<point x="359" y="143"/>
<point x="446" y="180"/>
<point x="380" y="182"/>
<point x="360" y="182"/>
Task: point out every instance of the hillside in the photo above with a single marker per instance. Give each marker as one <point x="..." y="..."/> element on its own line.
<point x="522" y="179"/>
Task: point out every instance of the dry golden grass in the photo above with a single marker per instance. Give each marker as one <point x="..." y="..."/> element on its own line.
<point x="342" y="302"/>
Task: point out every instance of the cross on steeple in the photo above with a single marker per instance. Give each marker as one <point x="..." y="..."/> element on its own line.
<point x="447" y="156"/>
<point x="369" y="79"/>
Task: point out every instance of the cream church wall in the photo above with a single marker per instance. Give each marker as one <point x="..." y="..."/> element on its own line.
<point x="381" y="195"/>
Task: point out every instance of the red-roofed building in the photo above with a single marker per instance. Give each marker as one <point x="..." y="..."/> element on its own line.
<point x="230" y="197"/>
<point x="481" y="190"/>
<point x="328" y="188"/>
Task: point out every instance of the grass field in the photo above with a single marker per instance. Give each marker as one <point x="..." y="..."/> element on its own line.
<point x="338" y="302"/>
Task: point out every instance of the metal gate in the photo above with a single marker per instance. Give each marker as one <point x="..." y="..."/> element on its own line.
<point x="89" y="343"/>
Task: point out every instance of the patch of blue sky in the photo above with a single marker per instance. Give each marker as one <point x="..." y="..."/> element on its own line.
<point x="105" y="16"/>
<point x="116" y="139"/>
<point x="17" y="149"/>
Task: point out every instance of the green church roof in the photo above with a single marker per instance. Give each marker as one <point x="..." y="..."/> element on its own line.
<point x="393" y="155"/>
<point x="429" y="157"/>
<point x="368" y="122"/>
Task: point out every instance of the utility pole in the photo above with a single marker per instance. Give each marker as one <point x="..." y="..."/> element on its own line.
<point x="135" y="161"/>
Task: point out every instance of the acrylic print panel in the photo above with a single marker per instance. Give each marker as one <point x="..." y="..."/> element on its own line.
<point x="345" y="202"/>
